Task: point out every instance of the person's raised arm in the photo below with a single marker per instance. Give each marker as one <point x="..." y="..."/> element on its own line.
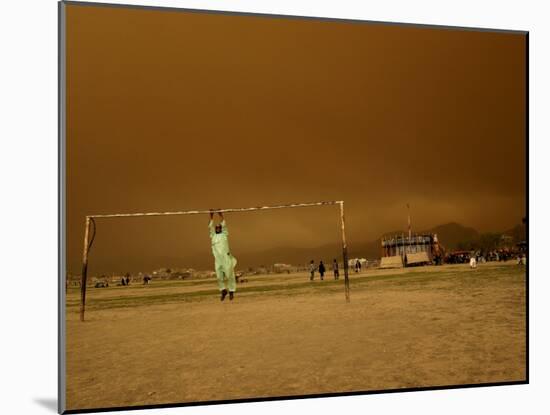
<point x="224" y="227"/>
<point x="211" y="222"/>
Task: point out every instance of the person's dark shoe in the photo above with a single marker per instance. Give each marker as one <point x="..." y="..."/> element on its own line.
<point x="231" y="294"/>
<point x="224" y="293"/>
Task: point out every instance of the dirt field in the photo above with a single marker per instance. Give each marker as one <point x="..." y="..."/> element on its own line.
<point x="175" y="341"/>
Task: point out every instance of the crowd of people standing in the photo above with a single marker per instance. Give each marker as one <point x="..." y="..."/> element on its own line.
<point x="499" y="255"/>
<point x="321" y="269"/>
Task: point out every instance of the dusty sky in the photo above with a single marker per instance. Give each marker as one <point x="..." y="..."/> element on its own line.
<point x="179" y="110"/>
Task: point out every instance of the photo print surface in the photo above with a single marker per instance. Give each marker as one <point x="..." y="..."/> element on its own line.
<point x="260" y="207"/>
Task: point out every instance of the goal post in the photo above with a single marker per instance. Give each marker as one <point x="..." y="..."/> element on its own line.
<point x="90" y="230"/>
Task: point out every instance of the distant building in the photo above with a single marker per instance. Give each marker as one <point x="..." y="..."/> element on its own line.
<point x="363" y="261"/>
<point x="399" y="251"/>
<point x="173" y="273"/>
<point x="278" y="268"/>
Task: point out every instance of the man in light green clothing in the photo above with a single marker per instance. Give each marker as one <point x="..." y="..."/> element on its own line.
<point x="224" y="261"/>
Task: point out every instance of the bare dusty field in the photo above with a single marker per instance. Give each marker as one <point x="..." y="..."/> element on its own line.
<point x="174" y="342"/>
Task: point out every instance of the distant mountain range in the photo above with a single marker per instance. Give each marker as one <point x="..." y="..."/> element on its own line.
<point x="450" y="235"/>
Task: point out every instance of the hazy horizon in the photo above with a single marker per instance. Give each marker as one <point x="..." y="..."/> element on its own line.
<point x="254" y="256"/>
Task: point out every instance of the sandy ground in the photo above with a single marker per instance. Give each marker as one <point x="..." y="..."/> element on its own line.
<point x="176" y="342"/>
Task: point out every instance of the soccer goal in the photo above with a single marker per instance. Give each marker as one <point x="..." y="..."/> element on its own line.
<point x="90" y="232"/>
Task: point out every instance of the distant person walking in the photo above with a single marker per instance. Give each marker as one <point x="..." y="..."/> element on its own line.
<point x="473" y="262"/>
<point x="312" y="269"/>
<point x="321" y="270"/>
<point x="335" y="269"/>
<point x="357" y="266"/>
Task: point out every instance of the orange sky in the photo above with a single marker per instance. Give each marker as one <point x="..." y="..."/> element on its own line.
<point x="177" y="110"/>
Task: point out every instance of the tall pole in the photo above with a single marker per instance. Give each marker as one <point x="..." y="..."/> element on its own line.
<point x="344" y="251"/>
<point x="84" y="269"/>
<point x="403" y="243"/>
<point x="409" y="219"/>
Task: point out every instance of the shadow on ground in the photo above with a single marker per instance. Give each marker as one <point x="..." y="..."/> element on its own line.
<point x="48" y="403"/>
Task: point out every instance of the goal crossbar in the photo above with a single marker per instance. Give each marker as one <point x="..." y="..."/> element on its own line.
<point x="196" y="212"/>
<point x="90" y="219"/>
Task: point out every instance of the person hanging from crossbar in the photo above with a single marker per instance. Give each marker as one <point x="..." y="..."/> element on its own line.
<point x="224" y="262"/>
